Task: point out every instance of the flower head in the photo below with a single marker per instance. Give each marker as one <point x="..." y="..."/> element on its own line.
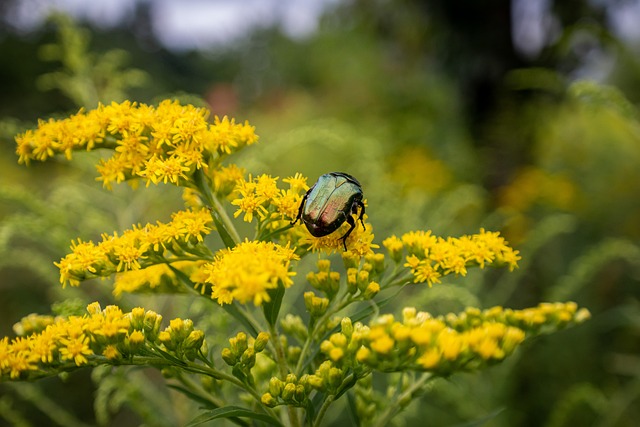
<point x="248" y="271"/>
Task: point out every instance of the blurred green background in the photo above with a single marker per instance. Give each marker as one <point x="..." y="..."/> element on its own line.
<point x="517" y="116"/>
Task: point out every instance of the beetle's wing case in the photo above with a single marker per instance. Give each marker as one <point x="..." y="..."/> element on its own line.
<point x="329" y="202"/>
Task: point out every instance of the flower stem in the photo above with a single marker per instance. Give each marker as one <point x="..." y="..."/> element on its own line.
<point x="213" y="202"/>
<point x="282" y="368"/>
<point x="346" y="383"/>
<point x="394" y="407"/>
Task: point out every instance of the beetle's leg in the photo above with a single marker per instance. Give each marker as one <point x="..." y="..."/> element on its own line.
<point x="359" y="203"/>
<point x="352" y="223"/>
<point x="304" y="199"/>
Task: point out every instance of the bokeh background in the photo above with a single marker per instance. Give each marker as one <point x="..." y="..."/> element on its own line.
<point x="518" y="116"/>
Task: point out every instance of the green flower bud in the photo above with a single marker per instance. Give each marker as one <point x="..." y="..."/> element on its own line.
<point x="335" y="377"/>
<point x="228" y="357"/>
<point x="261" y="341"/>
<point x="377" y="260"/>
<point x="248" y="357"/>
<point x="289" y="392"/>
<point x="352" y="280"/>
<point x="300" y="394"/>
<point x="315" y="305"/>
<point x="137" y="318"/>
<point x="268" y="400"/>
<point x="372" y="290"/>
<point x="350" y="260"/>
<point x="324" y="265"/>
<point x="275" y="386"/>
<point x="293" y="353"/>
<point x="346" y="326"/>
<point x="194" y="341"/>
<point x="239" y="344"/>
<point x="152" y="324"/>
<point x="316" y="382"/>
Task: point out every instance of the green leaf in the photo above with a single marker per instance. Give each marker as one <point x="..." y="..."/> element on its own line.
<point x="272" y="308"/>
<point x="353" y="413"/>
<point x="232" y="412"/>
<point x="222" y="231"/>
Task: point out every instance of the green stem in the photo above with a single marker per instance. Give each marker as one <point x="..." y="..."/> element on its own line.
<point x="281" y="362"/>
<point x="323" y="409"/>
<point x="305" y="348"/>
<point x="348" y="381"/>
<point x="213" y="202"/>
<point x="394" y="407"/>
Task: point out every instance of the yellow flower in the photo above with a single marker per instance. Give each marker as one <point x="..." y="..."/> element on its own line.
<point x="248" y="271"/>
<point x="76" y="349"/>
<point x="165" y="144"/>
<point x="430" y="257"/>
<point x="129" y="252"/>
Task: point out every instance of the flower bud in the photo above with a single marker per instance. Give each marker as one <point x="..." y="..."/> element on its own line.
<point x="135" y="340"/>
<point x="94" y="308"/>
<point x="346" y="326"/>
<point x="377" y="260"/>
<point x="137" y="318"/>
<point x="152" y="324"/>
<point x="394" y="247"/>
<point x="350" y="259"/>
<point x="239" y="344"/>
<point x="372" y="290"/>
<point x="248" y="357"/>
<point x="335" y="377"/>
<point x="352" y="280"/>
<point x="228" y="357"/>
<point x="275" y="386"/>
<point x="288" y="393"/>
<point x="194" y="341"/>
<point x="315" y="305"/>
<point x="268" y="400"/>
<point x="165" y="338"/>
<point x="261" y="341"/>
<point x="324" y="265"/>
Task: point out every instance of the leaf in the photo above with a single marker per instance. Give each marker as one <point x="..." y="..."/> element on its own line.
<point x="222" y="231"/>
<point x="232" y="412"/>
<point x="272" y="308"/>
<point x="353" y="413"/>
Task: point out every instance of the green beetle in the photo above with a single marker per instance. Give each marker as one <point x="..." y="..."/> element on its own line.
<point x="332" y="200"/>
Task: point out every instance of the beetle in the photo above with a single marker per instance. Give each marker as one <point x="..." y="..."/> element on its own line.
<point x="332" y="200"/>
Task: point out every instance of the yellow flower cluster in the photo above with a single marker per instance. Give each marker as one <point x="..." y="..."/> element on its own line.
<point x="447" y="343"/>
<point x="261" y="196"/>
<point x="359" y="242"/>
<point x="183" y="235"/>
<point x="101" y="336"/>
<point x="431" y="257"/>
<point x="247" y="272"/>
<point x="166" y="143"/>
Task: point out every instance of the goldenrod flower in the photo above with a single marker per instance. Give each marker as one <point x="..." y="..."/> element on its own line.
<point x="430" y="257"/>
<point x="130" y="251"/>
<point x="447" y="343"/>
<point x="248" y="271"/>
<point x="79" y="339"/>
<point x="166" y="143"/>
